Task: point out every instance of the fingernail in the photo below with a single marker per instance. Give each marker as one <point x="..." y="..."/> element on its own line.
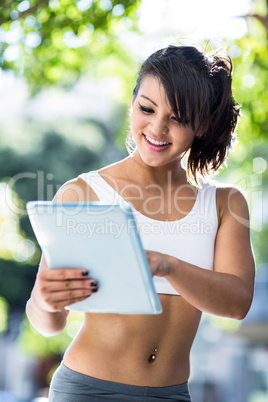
<point x="84" y="273"/>
<point x="94" y="284"/>
<point x="94" y="290"/>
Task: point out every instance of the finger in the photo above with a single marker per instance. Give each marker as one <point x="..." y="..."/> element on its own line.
<point x="60" y="305"/>
<point x="69" y="295"/>
<point x="62" y="274"/>
<point x="59" y="300"/>
<point x="59" y="286"/>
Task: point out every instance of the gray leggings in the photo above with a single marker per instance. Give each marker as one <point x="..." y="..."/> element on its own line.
<point x="70" y="386"/>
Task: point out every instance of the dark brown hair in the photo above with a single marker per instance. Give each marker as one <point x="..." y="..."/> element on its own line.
<point x="199" y="90"/>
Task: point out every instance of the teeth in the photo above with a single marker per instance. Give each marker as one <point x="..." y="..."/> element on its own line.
<point x="155" y="142"/>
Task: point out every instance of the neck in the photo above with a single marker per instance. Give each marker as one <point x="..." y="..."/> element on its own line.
<point x="145" y="174"/>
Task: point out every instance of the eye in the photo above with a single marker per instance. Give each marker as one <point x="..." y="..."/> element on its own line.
<point x="175" y="119"/>
<point x="145" y="109"/>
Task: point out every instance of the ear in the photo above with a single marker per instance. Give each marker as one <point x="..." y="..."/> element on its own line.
<point x="198" y="134"/>
<point x="202" y="129"/>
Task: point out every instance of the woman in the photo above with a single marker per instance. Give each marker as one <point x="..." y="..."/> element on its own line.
<point x="198" y="247"/>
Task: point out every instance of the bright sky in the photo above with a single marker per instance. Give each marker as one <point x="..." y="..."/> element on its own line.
<point x="165" y="21"/>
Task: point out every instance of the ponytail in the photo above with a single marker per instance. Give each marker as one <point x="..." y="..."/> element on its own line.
<point x="211" y="149"/>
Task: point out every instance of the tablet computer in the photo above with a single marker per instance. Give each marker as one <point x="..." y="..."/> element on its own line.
<point x="103" y="239"/>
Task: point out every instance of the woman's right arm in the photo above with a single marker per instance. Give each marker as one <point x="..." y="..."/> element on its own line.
<point x="55" y="289"/>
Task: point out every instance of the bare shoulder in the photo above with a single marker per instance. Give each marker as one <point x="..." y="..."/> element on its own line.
<point x="115" y="174"/>
<point x="232" y="204"/>
<point x="75" y="190"/>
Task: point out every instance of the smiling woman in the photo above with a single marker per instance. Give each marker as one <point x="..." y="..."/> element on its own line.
<point x="196" y="238"/>
<point x="195" y="105"/>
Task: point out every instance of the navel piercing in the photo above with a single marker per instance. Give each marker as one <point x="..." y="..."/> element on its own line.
<point x="152" y="357"/>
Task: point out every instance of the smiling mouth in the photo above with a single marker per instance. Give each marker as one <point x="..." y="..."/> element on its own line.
<point x="156" y="142"/>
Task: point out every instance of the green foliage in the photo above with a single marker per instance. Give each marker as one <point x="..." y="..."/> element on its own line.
<point x="38" y="175"/>
<point x="3" y="315"/>
<point x="54" y="42"/>
<point x="248" y="164"/>
<point x="16" y="283"/>
<point x="34" y="344"/>
<point x="29" y="177"/>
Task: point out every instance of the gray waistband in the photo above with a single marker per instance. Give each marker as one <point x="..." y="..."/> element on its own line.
<point x="65" y="378"/>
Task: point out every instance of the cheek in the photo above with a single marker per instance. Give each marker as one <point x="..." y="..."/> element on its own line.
<point x="137" y="121"/>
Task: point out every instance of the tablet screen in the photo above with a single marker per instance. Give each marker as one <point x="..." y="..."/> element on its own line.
<point x="103" y="239"/>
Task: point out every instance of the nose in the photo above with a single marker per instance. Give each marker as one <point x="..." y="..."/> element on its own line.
<point x="158" y="126"/>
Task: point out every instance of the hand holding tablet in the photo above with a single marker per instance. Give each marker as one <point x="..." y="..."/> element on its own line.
<point x="104" y="240"/>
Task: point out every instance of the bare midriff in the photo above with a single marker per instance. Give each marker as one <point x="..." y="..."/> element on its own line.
<point x="117" y="347"/>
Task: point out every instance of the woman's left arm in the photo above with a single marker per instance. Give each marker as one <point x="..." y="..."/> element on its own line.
<point x="228" y="289"/>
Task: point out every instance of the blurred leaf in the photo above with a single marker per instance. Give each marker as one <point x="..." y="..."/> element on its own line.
<point x="56" y="41"/>
<point x="250" y="80"/>
<point x="16" y="283"/>
<point x="37" y="345"/>
<point x="3" y="315"/>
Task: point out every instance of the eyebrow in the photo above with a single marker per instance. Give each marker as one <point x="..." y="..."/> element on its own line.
<point x="146" y="97"/>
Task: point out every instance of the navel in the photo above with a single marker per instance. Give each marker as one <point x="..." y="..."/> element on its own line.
<point x="152" y="357"/>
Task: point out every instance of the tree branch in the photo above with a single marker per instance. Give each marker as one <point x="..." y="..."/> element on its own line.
<point x="262" y="19"/>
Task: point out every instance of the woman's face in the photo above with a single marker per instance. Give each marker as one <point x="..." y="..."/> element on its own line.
<point x="159" y="137"/>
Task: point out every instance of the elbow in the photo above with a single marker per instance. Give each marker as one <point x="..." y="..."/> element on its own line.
<point x="242" y="301"/>
<point x="242" y="310"/>
<point x="240" y="315"/>
<point x="49" y="334"/>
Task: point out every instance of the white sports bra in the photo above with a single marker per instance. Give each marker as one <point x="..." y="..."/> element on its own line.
<point x="190" y="239"/>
